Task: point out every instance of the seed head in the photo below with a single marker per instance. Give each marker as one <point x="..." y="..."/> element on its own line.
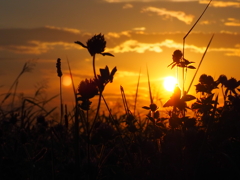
<point x="58" y="66"/>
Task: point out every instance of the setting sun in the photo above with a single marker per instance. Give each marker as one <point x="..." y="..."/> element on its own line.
<point x="169" y="83"/>
<point x="67" y="80"/>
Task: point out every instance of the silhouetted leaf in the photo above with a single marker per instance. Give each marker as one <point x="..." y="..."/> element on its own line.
<point x="105" y="73"/>
<point x="170" y="102"/>
<point x="114" y="70"/>
<point x="191" y="67"/>
<point x="170" y="64"/>
<point x="107" y="54"/>
<point x="146" y="107"/>
<point x="151" y="119"/>
<point x="188" y="97"/>
<point x="173" y="65"/>
<point x="81" y="44"/>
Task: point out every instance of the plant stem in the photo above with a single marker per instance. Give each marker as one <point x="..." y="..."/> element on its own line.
<point x="61" y="102"/>
<point x="94" y="69"/>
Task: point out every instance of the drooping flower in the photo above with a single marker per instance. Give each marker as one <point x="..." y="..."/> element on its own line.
<point x="95" y="45"/>
<point x="87" y="89"/>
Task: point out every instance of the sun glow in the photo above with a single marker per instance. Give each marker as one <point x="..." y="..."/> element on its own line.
<point x="66" y="80"/>
<point x="169" y="83"/>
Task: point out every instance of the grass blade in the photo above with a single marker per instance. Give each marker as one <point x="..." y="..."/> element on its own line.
<point x="136" y="95"/>
<point x="149" y="88"/>
<point x="200" y="63"/>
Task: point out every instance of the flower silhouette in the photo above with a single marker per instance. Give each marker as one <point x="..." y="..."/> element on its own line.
<point x="95" y="45"/>
<point x="179" y="61"/>
<point x="206" y="84"/>
<point x="87" y="89"/>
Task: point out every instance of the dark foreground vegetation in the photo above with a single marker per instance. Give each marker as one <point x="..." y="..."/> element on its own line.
<point x="88" y="145"/>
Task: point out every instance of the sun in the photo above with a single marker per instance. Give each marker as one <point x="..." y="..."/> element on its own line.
<point x="169" y="83"/>
<point x="66" y="80"/>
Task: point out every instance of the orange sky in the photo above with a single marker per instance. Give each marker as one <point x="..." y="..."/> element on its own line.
<point x="138" y="33"/>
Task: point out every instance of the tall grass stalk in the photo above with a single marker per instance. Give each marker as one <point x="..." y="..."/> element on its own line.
<point x="76" y="128"/>
<point x="200" y="63"/>
<point x="136" y="94"/>
<point x="149" y="87"/>
<point x="184" y="38"/>
<point x="194" y="26"/>
<point x="27" y="67"/>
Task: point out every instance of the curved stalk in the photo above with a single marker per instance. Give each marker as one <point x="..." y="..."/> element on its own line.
<point x="94" y="69"/>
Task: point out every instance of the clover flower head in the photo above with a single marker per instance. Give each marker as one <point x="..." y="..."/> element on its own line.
<point x="87" y="89"/>
<point x="96" y="44"/>
<point x="177" y="55"/>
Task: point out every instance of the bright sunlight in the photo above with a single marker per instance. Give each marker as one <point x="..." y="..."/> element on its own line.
<point x="169" y="83"/>
<point x="67" y="80"/>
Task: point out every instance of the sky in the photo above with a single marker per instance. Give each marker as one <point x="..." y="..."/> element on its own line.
<point x="139" y="33"/>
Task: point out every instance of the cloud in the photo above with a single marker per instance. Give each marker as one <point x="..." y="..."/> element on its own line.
<point x="135" y="46"/>
<point x="37" y="47"/>
<point x="139" y="47"/>
<point x="117" y="35"/>
<point x="76" y="31"/>
<point x="166" y="13"/>
<point x="206" y="22"/>
<point x="126" y="74"/>
<point x="232" y="22"/>
<point x="145" y="1"/>
<point x="127" y="6"/>
<point x="139" y="29"/>
<point x="221" y="3"/>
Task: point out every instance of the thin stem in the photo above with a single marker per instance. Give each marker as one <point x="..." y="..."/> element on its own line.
<point x="200" y="63"/>
<point x="136" y="95"/>
<point x="119" y="131"/>
<point x="149" y="88"/>
<point x="76" y="128"/>
<point x="94" y="68"/>
<point x="96" y="115"/>
<point x="183" y="81"/>
<point x="61" y="101"/>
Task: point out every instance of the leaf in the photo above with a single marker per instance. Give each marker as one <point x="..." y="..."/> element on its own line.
<point x="173" y="65"/>
<point x="170" y="102"/>
<point x="107" y="54"/>
<point x="105" y="73"/>
<point x="114" y="70"/>
<point x="170" y="64"/>
<point x="151" y="119"/>
<point x="146" y="107"/>
<point x="81" y="44"/>
<point x="191" y="67"/>
<point x="188" y="97"/>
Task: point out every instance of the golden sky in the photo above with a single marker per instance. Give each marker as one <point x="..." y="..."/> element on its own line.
<point x="138" y="33"/>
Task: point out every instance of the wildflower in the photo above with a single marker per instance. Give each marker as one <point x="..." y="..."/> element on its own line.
<point x="87" y="89"/>
<point x="95" y="45"/>
<point x="231" y="85"/>
<point x="206" y="84"/>
<point x="180" y="61"/>
<point x="105" y="77"/>
<point x="177" y="56"/>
